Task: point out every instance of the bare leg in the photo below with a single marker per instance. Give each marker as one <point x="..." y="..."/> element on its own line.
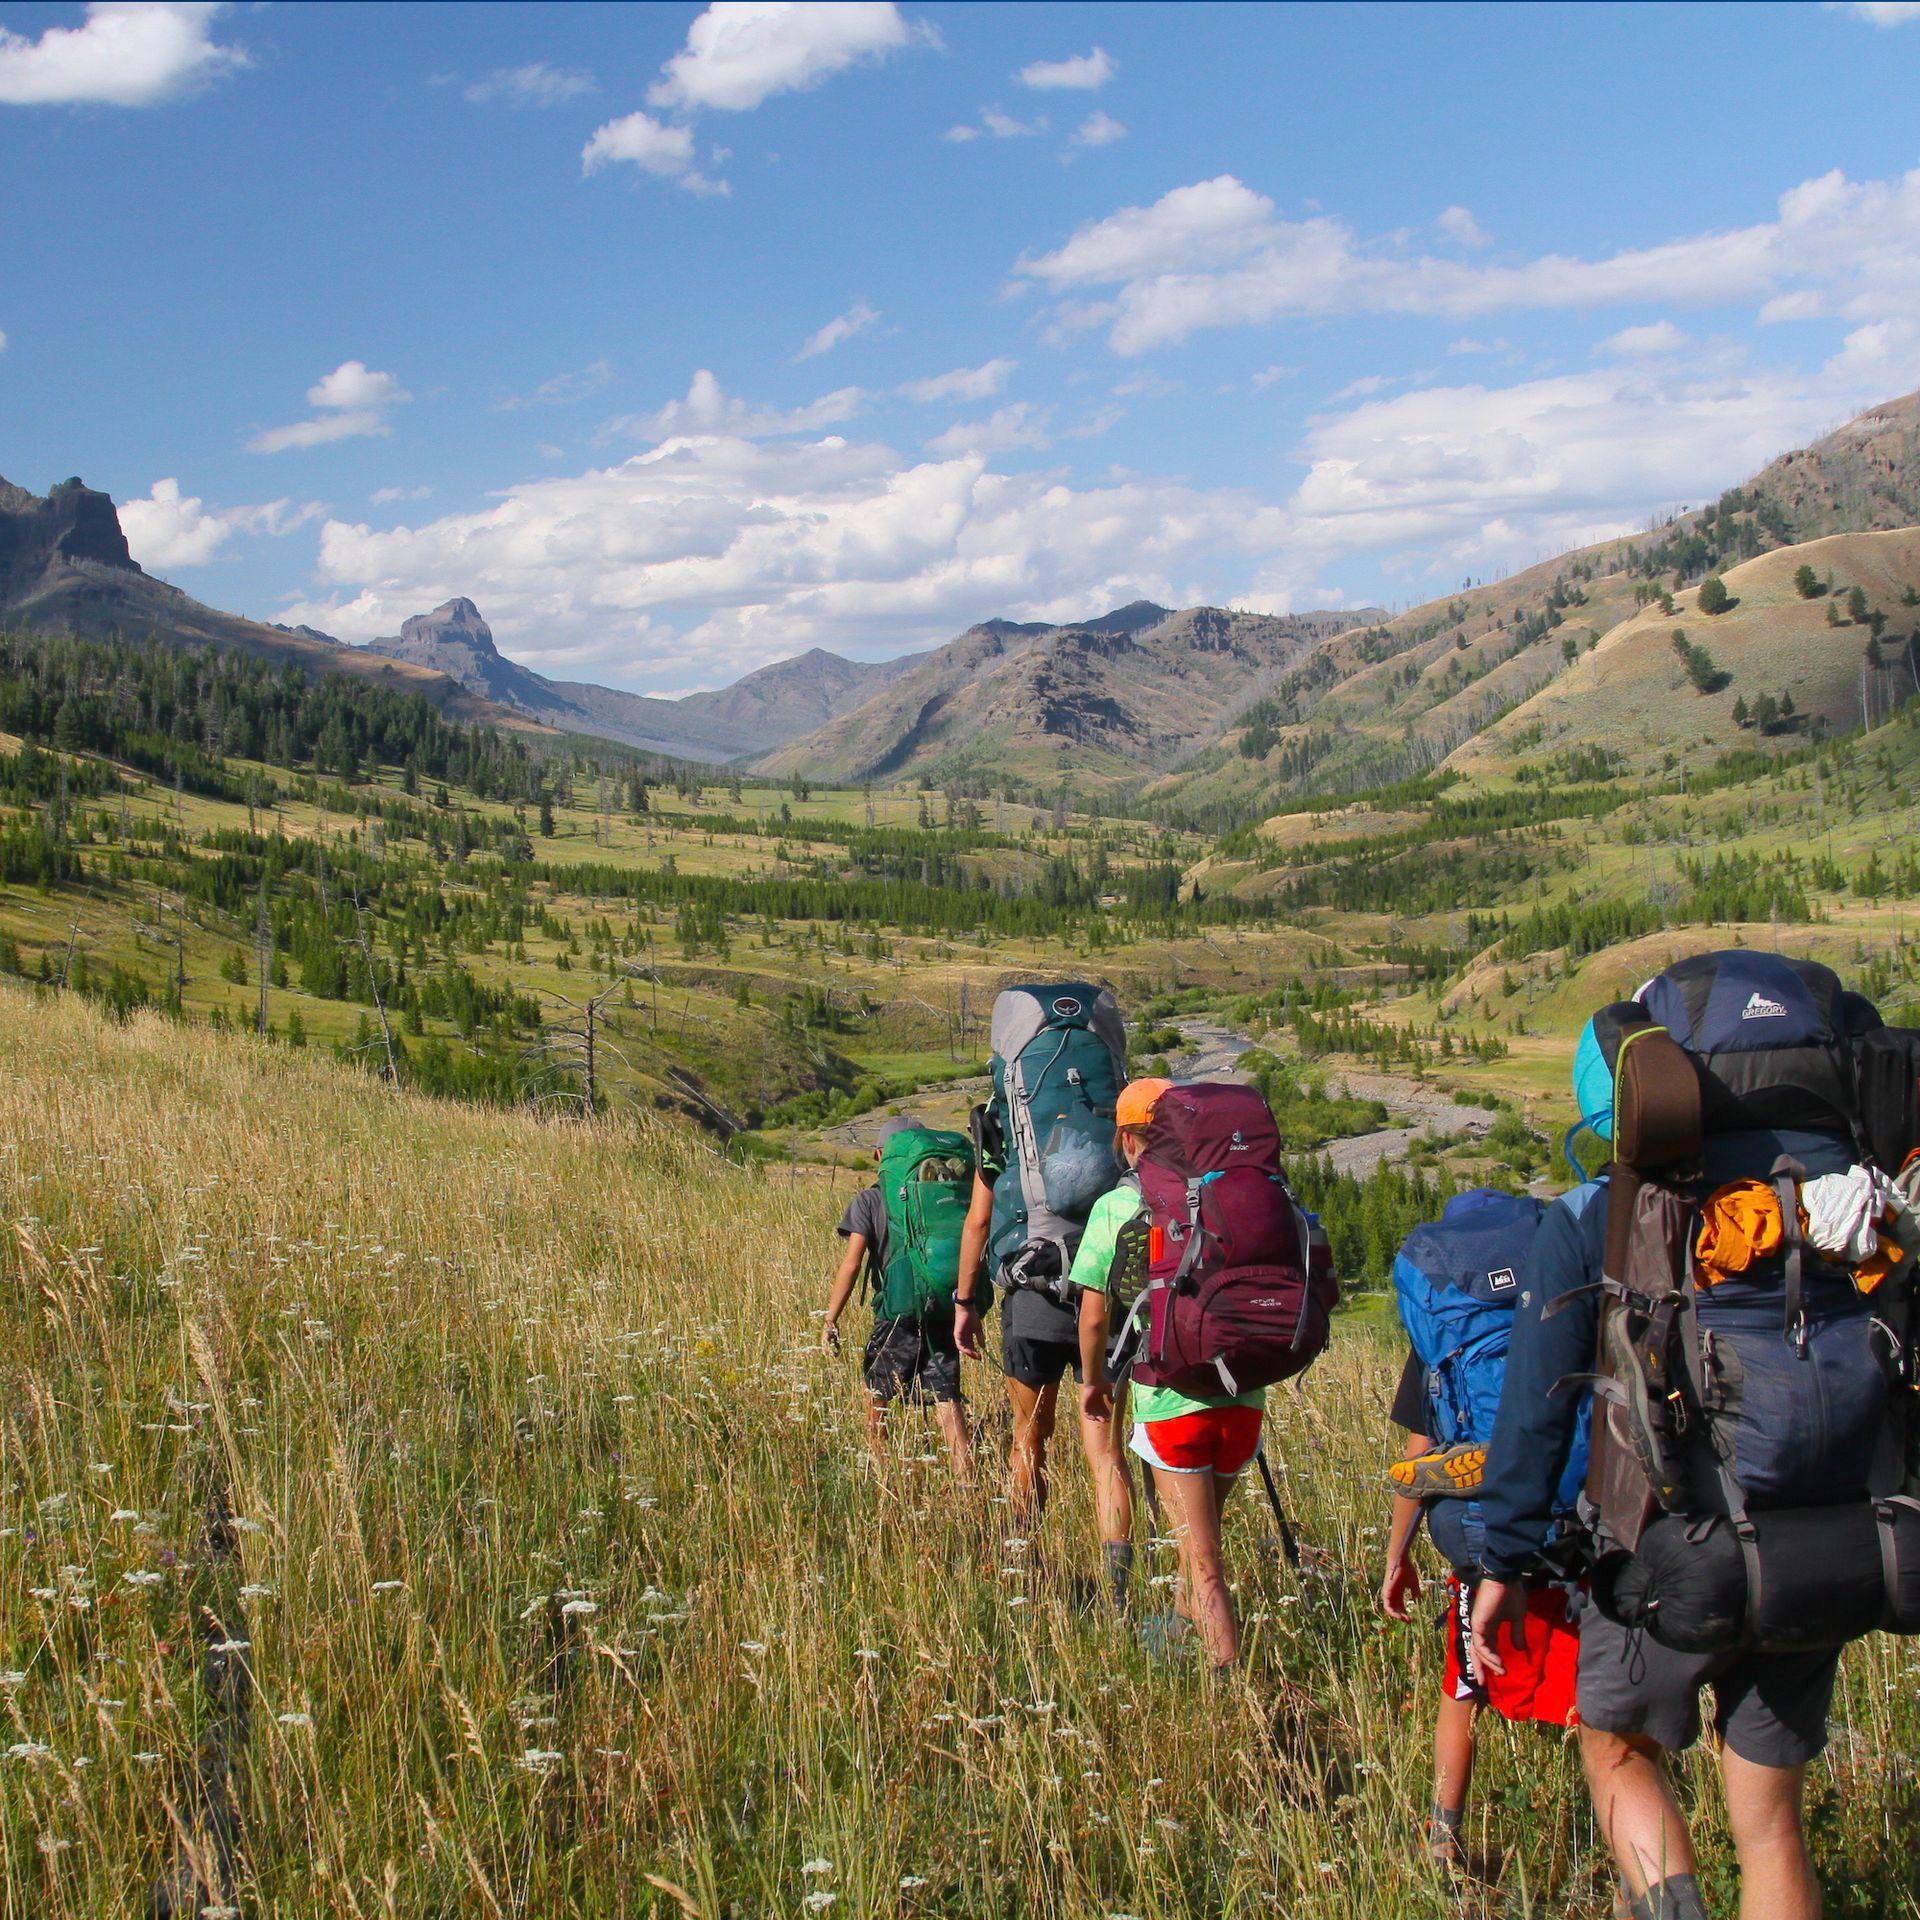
<point x="1635" y="1808"/>
<point x="1033" y="1416"/>
<point x="1193" y="1502"/>
<point x="1777" y="1881"/>
<point x="877" y="1426"/>
<point x="1454" y="1730"/>
<point x="1112" y="1489"/>
<point x="953" y="1429"/>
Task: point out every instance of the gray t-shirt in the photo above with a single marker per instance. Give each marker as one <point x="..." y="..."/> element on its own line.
<point x="866" y="1215"/>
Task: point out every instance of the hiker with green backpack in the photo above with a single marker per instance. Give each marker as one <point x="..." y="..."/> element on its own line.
<point x="903" y="1238"/>
<point x="1733" y="1297"/>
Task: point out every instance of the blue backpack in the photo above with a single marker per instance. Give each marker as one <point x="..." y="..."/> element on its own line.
<point x="1457" y="1280"/>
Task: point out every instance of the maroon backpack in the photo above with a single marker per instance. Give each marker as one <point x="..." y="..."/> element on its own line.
<point x="1240" y="1285"/>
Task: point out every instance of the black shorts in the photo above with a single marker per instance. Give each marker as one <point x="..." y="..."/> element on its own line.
<point x="1038" y="1362"/>
<point x="913" y="1359"/>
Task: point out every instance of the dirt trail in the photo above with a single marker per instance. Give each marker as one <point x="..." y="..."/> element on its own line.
<point x="1213" y="1053"/>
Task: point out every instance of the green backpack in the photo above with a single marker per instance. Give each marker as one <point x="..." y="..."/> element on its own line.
<point x="926" y="1181"/>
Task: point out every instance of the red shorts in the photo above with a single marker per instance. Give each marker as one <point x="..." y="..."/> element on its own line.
<point x="1218" y="1440"/>
<point x="1539" y="1681"/>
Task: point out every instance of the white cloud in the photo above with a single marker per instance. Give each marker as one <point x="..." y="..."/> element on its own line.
<point x="126" y="54"/>
<point x="1661" y="336"/>
<point x="563" y="390"/>
<point x="858" y="318"/>
<point x="653" y="147"/>
<point x="3" y="342"/>
<point x="386" y="496"/>
<point x="708" y="409"/>
<point x="354" y="402"/>
<point x="1878" y="13"/>
<point x="713" y="553"/>
<point x="1218" y="254"/>
<point x="1018" y="426"/>
<point x="353" y="384"/>
<point x="1087" y="71"/>
<point x="963" y="383"/>
<point x="1463" y="229"/>
<point x="704" y="558"/>
<point x="1267" y="376"/>
<point x="1000" y="125"/>
<point x="534" y="85"/>
<point x="1098" y="129"/>
<point x="741" y="52"/>
<point x="169" y="529"/>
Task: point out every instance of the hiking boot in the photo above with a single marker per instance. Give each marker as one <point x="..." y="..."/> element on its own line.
<point x="1447" y="1470"/>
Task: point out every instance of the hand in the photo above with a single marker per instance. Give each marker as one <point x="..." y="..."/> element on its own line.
<point x="1496" y="1602"/>
<point x="1096" y="1401"/>
<point x="966" y="1328"/>
<point x="1400" y="1590"/>
<point x="830" y="1338"/>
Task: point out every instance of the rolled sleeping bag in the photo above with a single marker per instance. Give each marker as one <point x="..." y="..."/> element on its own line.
<point x="1827" y="1575"/>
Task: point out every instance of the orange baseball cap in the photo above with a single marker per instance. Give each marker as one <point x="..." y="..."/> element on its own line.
<point x="1137" y="1100"/>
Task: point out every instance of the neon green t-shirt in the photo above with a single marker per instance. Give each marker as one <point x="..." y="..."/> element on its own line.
<point x="1095" y="1266"/>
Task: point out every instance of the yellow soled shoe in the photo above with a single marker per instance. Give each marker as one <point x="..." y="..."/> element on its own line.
<point x="1449" y="1470"/>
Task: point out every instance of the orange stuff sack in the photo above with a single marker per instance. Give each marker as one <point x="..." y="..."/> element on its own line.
<point x="1739" y="1224"/>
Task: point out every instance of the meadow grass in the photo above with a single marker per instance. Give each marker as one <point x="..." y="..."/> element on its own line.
<point x="494" y="1464"/>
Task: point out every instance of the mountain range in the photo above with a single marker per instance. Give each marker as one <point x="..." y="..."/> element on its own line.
<point x="768" y="707"/>
<point x="1204" y="709"/>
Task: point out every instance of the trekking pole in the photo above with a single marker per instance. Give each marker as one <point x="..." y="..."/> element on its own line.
<point x="1288" y="1544"/>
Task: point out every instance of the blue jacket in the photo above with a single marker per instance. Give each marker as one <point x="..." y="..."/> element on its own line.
<point x="1533" y="1433"/>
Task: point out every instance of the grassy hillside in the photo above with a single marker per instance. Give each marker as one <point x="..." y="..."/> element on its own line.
<point x="1395" y="698"/>
<point x="517" y="1553"/>
<point x="1632" y="692"/>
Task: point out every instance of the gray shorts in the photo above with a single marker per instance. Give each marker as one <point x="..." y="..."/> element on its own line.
<point x="1769" y="1708"/>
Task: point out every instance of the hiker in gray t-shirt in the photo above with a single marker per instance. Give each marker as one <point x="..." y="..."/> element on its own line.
<point x="912" y="1358"/>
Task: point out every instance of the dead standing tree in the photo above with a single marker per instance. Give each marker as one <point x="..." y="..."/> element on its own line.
<point x="579" y="1043"/>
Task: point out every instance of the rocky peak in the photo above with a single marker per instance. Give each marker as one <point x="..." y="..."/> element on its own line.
<point x="456" y="620"/>
<point x="73" y="523"/>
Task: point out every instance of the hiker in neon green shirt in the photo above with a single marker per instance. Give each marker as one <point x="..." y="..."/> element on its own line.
<point x="1196" y="1449"/>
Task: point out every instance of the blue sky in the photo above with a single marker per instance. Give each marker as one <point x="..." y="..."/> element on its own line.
<point x="682" y="340"/>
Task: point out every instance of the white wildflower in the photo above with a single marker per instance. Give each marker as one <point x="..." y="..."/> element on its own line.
<point x="813" y="1869"/>
<point x="388" y="1586"/>
<point x="581" y="1606"/>
<point x="143" y="1577"/>
<point x="295" y="1719"/>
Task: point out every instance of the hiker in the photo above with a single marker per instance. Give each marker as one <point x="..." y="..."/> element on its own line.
<point x="1456" y="1283"/>
<point x="1205" y="1178"/>
<point x="910" y="1354"/>
<point x="1043" y="1156"/>
<point x="1729" y="1068"/>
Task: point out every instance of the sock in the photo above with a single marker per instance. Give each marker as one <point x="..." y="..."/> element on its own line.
<point x="1674" y="1899"/>
<point x="1119" y="1569"/>
<point x="1445" y="1820"/>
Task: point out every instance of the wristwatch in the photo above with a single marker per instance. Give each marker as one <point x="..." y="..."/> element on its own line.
<point x="963" y="1306"/>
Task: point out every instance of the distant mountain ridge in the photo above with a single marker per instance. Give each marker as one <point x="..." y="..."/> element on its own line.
<point x="767" y="707"/>
<point x="1108" y="698"/>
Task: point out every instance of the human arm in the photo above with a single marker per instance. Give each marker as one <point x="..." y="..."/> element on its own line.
<point x="1400" y="1589"/>
<point x="1555" y="1327"/>
<point x="973" y="1260"/>
<point x="842" y="1290"/>
<point x="1096" y="1390"/>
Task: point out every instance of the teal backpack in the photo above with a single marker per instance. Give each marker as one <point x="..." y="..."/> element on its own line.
<point x="926" y="1181"/>
<point x="1059" y="1061"/>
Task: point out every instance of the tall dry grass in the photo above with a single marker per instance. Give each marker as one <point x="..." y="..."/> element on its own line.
<point x="412" y="1511"/>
